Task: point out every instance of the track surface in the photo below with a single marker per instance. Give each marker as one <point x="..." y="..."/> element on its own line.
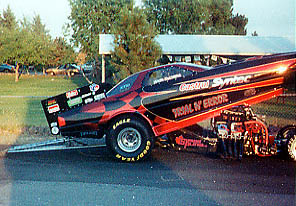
<point x="91" y="177"/>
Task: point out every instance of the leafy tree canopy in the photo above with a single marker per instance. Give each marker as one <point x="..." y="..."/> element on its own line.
<point x="89" y="18"/>
<point x="195" y="17"/>
<point x="27" y="42"/>
<point x="8" y="19"/>
<point x="135" y="47"/>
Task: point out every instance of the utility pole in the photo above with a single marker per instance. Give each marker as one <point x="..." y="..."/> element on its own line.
<point x="103" y="69"/>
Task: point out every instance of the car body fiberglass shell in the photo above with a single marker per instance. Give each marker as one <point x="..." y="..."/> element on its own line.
<point x="175" y="96"/>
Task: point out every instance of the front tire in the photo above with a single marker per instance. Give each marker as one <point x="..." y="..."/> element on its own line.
<point x="130" y="139"/>
<point x="291" y="147"/>
<point x="288" y="134"/>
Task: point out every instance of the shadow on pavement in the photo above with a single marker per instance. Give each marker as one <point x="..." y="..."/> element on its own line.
<point x="149" y="182"/>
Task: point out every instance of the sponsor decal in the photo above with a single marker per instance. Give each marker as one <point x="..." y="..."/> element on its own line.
<point x="189" y="142"/>
<point x="250" y="92"/>
<point x="87" y="133"/>
<point x="51" y="102"/>
<point x="53" y="108"/>
<point x="215" y="101"/>
<point x="125" y="87"/>
<point x="140" y="156"/>
<point x="220" y="82"/>
<point x="198" y="105"/>
<point x="73" y="102"/>
<point x="88" y="100"/>
<point x="120" y="122"/>
<point x="194" y="86"/>
<point x="54" y="124"/>
<point x="99" y="97"/>
<point x="94" y="87"/>
<point x="71" y="94"/>
<point x="183" y="110"/>
<point x="86" y="95"/>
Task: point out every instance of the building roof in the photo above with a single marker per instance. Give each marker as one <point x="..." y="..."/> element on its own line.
<point x="228" y="45"/>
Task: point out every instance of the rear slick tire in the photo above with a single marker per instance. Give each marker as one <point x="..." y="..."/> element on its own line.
<point x="129" y="139"/>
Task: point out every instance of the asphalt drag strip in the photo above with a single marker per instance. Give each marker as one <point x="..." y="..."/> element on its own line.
<point x="91" y="177"/>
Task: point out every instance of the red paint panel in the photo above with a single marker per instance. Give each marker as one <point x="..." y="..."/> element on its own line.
<point x="171" y="126"/>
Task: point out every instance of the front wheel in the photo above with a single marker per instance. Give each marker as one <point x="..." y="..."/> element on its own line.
<point x="130" y="139"/>
<point x="288" y="134"/>
<point x="292" y="147"/>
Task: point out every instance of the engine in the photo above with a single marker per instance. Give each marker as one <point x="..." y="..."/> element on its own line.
<point x="240" y="132"/>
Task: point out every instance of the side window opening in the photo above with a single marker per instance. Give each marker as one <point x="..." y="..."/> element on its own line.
<point x="123" y="86"/>
<point x="166" y="74"/>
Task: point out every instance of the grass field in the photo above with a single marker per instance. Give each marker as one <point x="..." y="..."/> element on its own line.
<point x="22" y="119"/>
<point x="38" y="85"/>
<point x="21" y="116"/>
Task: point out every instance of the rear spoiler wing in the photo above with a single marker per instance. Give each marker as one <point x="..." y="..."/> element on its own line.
<point x="70" y="100"/>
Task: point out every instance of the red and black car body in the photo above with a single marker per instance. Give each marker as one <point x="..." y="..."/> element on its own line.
<point x="164" y="99"/>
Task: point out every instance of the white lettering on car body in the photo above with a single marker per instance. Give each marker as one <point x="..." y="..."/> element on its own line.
<point x="219" y="82"/>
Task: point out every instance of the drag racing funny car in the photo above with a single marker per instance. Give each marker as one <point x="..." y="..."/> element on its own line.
<point x="167" y="102"/>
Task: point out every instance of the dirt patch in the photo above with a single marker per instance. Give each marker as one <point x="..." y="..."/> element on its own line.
<point x="24" y="135"/>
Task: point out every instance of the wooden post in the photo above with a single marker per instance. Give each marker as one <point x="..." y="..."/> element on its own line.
<point x="103" y="69"/>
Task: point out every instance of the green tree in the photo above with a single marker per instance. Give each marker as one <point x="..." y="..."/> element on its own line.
<point x="88" y="19"/>
<point x="43" y="46"/>
<point x="239" y="22"/>
<point x="216" y="19"/>
<point x="194" y="17"/>
<point x="28" y="43"/>
<point x="16" y="48"/>
<point x="174" y="16"/>
<point x="38" y="27"/>
<point x="8" y="19"/>
<point x="62" y="52"/>
<point x="10" y="41"/>
<point x="135" y="47"/>
<point x="8" y="24"/>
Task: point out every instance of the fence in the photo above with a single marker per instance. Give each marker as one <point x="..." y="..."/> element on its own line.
<point x="279" y="111"/>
